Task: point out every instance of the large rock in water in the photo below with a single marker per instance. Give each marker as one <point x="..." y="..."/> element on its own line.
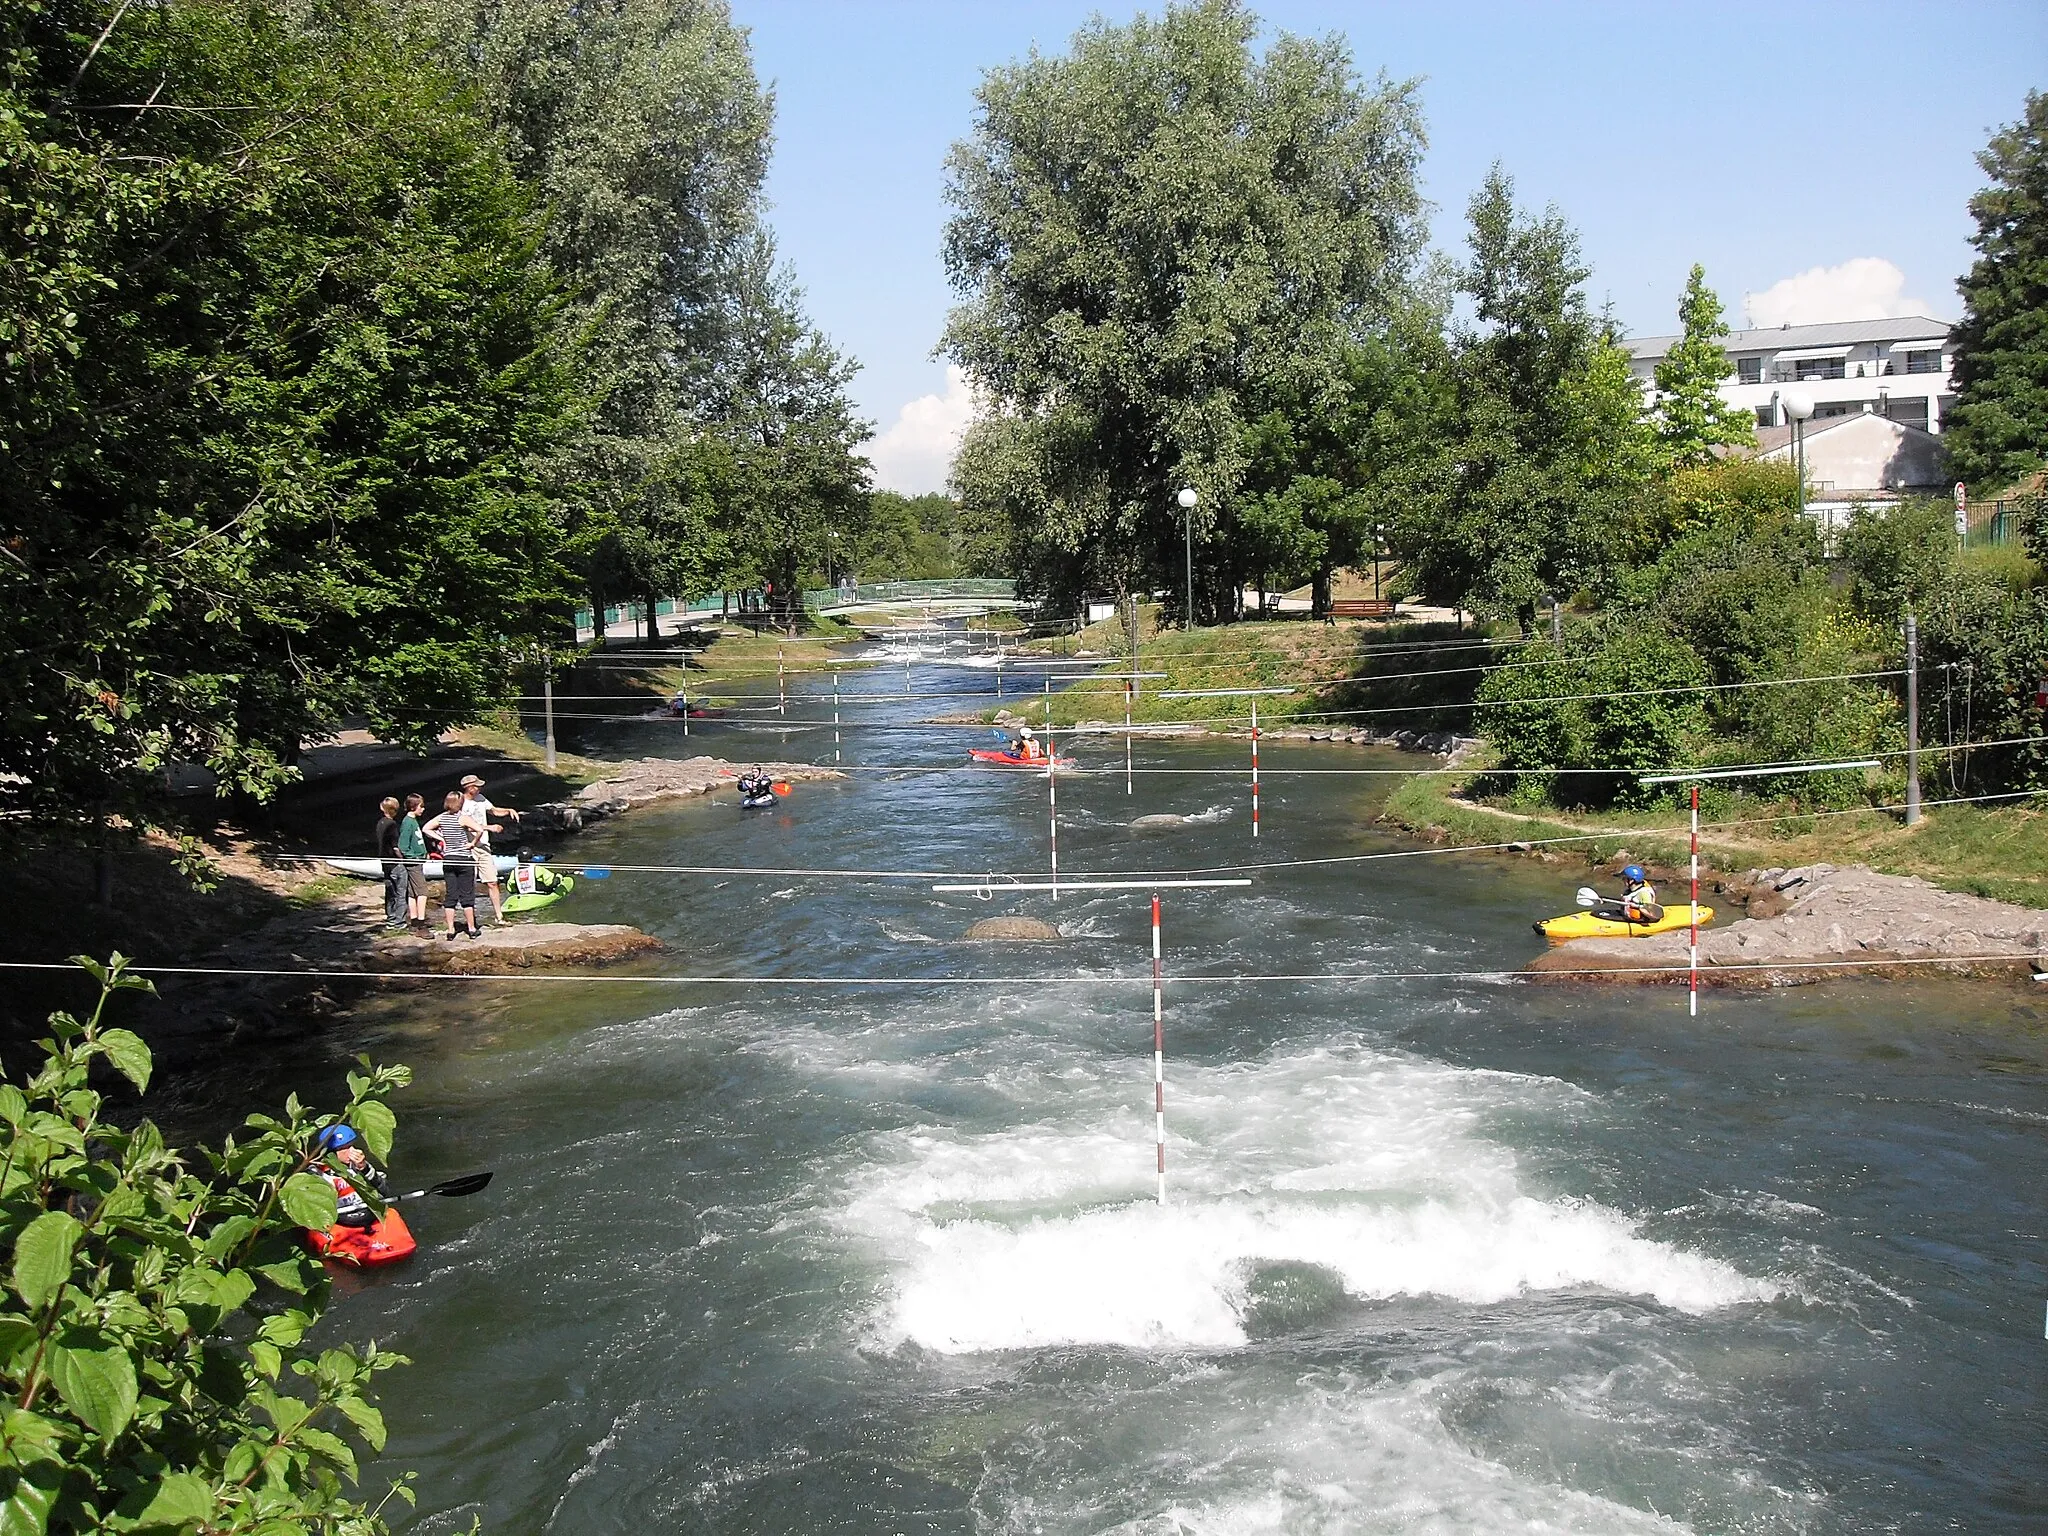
<point x="1163" y="821"/>
<point x="1013" y="928"/>
<point x="517" y="947"/>
<point x="1833" y="922"/>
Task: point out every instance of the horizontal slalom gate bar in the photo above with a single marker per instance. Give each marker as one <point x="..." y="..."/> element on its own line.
<point x="1242" y="979"/>
<point x="1764" y="770"/>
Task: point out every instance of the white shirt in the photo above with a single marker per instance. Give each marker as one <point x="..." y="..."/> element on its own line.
<point x="475" y="815"/>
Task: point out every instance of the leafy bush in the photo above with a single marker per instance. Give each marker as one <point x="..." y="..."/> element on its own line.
<point x="154" y="1313"/>
<point x="1898" y="557"/>
<point x="1540" y="720"/>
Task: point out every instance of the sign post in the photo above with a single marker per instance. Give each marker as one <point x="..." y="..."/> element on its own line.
<point x="1962" y="512"/>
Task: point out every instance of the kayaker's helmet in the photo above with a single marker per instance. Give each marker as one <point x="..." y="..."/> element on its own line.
<point x="335" y="1137"/>
<point x="1024" y="731"/>
<point x="1633" y="873"/>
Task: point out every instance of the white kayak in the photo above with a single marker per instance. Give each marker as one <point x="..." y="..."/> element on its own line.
<point x="373" y="869"/>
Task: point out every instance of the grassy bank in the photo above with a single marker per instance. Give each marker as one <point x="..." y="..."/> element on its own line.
<point x="1998" y="853"/>
<point x="1354" y="673"/>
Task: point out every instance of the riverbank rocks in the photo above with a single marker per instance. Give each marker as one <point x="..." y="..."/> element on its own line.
<point x="649" y="779"/>
<point x="1014" y="929"/>
<point x="1886" y="924"/>
<point x="516" y="947"/>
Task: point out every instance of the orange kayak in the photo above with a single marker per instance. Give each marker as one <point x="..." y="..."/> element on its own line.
<point x="1014" y="760"/>
<point x="384" y="1242"/>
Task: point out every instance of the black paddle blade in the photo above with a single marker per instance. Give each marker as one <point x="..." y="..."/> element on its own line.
<point x="468" y="1184"/>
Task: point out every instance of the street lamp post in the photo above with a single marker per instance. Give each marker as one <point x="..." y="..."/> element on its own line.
<point x="1188" y="501"/>
<point x="1798" y="407"/>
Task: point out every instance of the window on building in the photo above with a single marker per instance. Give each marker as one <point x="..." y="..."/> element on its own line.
<point x="1911" y="411"/>
<point x="1750" y="370"/>
<point x="1819" y="368"/>
<point x="1924" y="362"/>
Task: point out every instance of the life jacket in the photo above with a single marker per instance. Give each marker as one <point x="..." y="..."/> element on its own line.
<point x="1639" y="896"/>
<point x="346" y="1201"/>
<point x="1030" y="749"/>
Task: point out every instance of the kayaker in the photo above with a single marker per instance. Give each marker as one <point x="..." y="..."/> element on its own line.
<point x="1028" y="746"/>
<point x="351" y="1210"/>
<point x="754" y="784"/>
<point x="1638" y="898"/>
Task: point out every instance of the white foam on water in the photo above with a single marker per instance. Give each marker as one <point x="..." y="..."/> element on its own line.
<point x="1343" y="1461"/>
<point x="1376" y="1169"/>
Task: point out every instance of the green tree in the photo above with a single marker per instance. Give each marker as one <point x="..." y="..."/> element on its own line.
<point x="1997" y="431"/>
<point x="781" y="406"/>
<point x="1533" y="487"/>
<point x="642" y="126"/>
<point x="1158" y="236"/>
<point x="280" y="392"/>
<point x="154" y="1318"/>
<point x="907" y="538"/>
<point x="1692" y="418"/>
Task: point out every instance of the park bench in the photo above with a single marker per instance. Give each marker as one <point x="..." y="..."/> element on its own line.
<point x="1359" y="608"/>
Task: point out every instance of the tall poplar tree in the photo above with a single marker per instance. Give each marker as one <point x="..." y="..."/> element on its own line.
<point x="1692" y="418"/>
<point x="1158" y="236"/>
<point x="1997" y="431"/>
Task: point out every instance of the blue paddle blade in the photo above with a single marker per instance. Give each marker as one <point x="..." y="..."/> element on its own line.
<point x="597" y="874"/>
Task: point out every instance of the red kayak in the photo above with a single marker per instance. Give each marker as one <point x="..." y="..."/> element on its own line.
<point x="1013" y="759"/>
<point x="383" y="1242"/>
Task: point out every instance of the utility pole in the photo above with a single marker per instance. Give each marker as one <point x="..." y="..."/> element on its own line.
<point x="1188" y="499"/>
<point x="1912" y="721"/>
<point x="1556" y="622"/>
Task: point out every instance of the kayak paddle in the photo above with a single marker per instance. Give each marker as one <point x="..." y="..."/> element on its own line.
<point x="779" y="787"/>
<point x="1588" y="897"/>
<point x="468" y="1184"/>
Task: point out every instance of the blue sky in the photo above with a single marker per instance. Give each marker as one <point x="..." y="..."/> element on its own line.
<point x="1764" y="141"/>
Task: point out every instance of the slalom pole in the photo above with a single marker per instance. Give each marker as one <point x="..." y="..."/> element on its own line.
<point x="1052" y="790"/>
<point x="1693" y="958"/>
<point x="835" y="715"/>
<point x="1158" y="1051"/>
<point x="781" y="687"/>
<point x="1128" y="686"/>
<point x="1255" y="767"/>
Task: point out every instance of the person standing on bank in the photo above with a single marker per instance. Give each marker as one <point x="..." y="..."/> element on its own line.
<point x="412" y="847"/>
<point x="393" y="865"/>
<point x="458" y="864"/>
<point x="477" y="812"/>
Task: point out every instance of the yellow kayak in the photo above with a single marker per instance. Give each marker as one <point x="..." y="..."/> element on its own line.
<point x="1584" y="925"/>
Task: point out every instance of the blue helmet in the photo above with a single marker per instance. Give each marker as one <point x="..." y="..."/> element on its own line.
<point x="1633" y="872"/>
<point x="335" y="1137"/>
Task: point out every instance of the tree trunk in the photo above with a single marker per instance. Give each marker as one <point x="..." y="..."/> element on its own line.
<point x="1319" y="598"/>
<point x="1262" y="594"/>
<point x="653" y="628"/>
<point x="597" y="614"/>
<point x="1525" y="615"/>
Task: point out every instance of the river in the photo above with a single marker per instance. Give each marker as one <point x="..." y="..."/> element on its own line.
<point x="1437" y="1255"/>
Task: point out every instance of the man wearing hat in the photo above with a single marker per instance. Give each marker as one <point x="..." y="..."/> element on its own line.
<point x="476" y="815"/>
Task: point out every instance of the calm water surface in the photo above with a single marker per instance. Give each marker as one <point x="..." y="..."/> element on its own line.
<point x="1439" y="1256"/>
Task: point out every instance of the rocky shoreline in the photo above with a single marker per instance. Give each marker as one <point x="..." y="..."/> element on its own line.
<point x="648" y="779"/>
<point x="1804" y="925"/>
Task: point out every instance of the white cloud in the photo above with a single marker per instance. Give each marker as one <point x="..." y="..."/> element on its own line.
<point x="1864" y="288"/>
<point x="914" y="455"/>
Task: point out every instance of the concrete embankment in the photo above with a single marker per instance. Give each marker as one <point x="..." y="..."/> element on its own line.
<point x="1823" y="920"/>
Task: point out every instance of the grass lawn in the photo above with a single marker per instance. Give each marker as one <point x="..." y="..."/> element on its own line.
<point x="1997" y="852"/>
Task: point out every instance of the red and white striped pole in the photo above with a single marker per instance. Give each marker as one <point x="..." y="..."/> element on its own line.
<point x="1693" y="963"/>
<point x="1052" y="790"/>
<point x="1158" y="1051"/>
<point x="1255" y="767"/>
<point x="781" y="688"/>
<point x="1128" y="686"/>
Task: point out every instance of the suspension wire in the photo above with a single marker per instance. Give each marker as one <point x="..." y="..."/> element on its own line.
<point x="1246" y="978"/>
<point x="989" y="879"/>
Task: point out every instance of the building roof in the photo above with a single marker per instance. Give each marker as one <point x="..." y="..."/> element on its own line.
<point x="1834" y="334"/>
<point x="1770" y="440"/>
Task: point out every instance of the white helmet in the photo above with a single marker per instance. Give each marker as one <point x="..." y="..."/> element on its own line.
<point x="1024" y="731"/>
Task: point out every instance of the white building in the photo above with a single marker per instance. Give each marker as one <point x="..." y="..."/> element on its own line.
<point x="1897" y="369"/>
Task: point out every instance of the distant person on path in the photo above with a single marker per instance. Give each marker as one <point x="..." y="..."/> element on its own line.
<point x="394" y="867"/>
<point x="476" y="816"/>
<point x="412" y="847"/>
<point x="458" y="864"/>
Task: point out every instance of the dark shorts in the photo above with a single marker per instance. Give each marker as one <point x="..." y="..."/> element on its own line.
<point x="416" y="879"/>
<point x="460" y="887"/>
